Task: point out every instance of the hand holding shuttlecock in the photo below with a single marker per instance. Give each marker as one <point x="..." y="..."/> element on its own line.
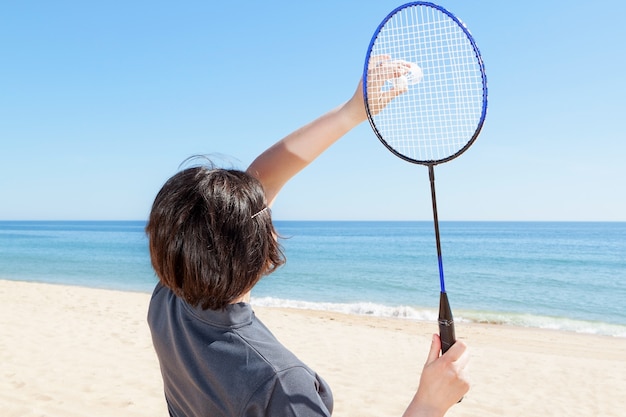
<point x="388" y="78"/>
<point x="413" y="76"/>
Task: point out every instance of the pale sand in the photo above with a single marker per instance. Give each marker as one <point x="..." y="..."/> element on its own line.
<point x="71" y="351"/>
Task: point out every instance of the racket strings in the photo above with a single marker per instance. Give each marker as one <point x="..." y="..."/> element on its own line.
<point x="437" y="117"/>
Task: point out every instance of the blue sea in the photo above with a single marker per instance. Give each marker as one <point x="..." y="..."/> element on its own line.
<point x="559" y="275"/>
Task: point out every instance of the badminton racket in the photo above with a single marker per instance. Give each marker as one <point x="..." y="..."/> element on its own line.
<point x="425" y="94"/>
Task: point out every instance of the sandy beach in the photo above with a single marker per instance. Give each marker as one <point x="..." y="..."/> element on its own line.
<point x="72" y="351"/>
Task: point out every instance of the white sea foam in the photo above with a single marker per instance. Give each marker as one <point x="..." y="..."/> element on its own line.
<point x="461" y="316"/>
<point x="543" y="322"/>
<point x="362" y="308"/>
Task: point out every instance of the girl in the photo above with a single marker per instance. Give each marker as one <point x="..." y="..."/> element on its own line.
<point x="211" y="240"/>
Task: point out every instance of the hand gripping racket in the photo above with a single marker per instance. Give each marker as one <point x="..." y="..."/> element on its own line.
<point x="425" y="93"/>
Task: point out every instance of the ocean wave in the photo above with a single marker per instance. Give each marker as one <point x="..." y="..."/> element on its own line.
<point x="461" y="316"/>
<point x="360" y="308"/>
<point x="543" y="322"/>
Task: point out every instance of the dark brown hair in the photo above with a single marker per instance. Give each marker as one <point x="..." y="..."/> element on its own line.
<point x="206" y="244"/>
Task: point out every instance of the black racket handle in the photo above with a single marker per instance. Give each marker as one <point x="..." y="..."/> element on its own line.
<point x="446" y="333"/>
<point x="446" y="323"/>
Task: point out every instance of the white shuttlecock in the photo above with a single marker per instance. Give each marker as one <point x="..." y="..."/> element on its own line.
<point x="412" y="77"/>
<point x="400" y="83"/>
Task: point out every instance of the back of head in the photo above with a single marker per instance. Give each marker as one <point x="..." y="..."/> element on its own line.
<point x="206" y="243"/>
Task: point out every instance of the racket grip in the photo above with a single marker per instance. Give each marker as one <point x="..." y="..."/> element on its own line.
<point x="446" y="323"/>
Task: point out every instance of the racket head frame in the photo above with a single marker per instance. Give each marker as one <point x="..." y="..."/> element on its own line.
<point x="479" y="61"/>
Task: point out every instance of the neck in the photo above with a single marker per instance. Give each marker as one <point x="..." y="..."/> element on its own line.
<point x="244" y="298"/>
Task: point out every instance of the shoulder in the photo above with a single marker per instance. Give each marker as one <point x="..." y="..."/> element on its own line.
<point x="290" y="387"/>
<point x="293" y="391"/>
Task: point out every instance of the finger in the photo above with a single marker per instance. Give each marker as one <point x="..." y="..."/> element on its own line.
<point x="435" y="348"/>
<point x="378" y="59"/>
<point x="463" y="360"/>
<point x="397" y="68"/>
<point x="456" y="350"/>
<point x="386" y="96"/>
<point x="398" y="89"/>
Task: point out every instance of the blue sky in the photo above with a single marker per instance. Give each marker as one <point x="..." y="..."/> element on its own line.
<point x="101" y="101"/>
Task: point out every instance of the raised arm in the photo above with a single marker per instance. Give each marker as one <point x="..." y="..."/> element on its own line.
<point x="275" y="166"/>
